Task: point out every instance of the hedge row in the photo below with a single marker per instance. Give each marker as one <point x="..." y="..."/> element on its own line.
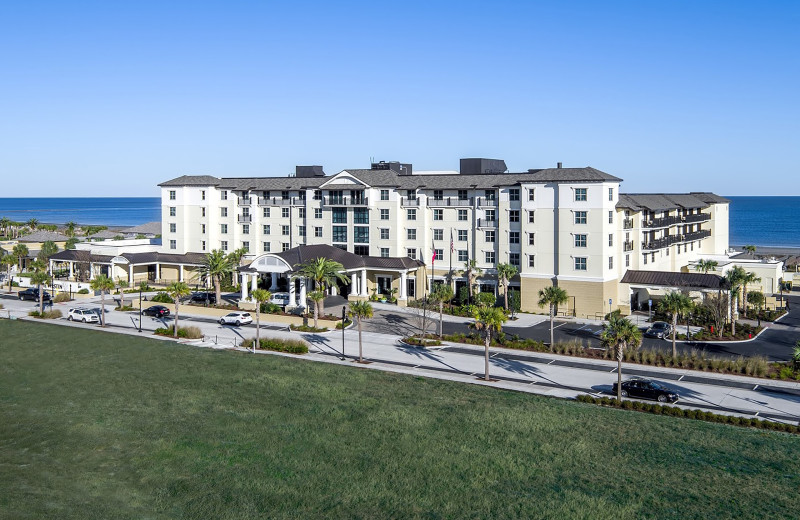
<point x="47" y="315"/>
<point x="292" y="346"/>
<point x="183" y="332"/>
<point x="676" y="411"/>
<point x="307" y="328"/>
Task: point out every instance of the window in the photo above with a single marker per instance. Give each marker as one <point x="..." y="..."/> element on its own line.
<point x="463" y="255"/>
<point x="438" y="234"/>
<point x="284" y="246"/>
<point x="489" y="256"/>
<point x="245" y="229"/>
<point x="580" y="263"/>
<point x="385" y="251"/>
<point x="438" y="214"/>
<point x="653" y="256"/>
<point x="339" y="215"/>
<point x="340" y="233"/>
<point x="610" y="239"/>
<point x="202" y="194"/>
<point x="530" y="217"/>
<point x="202" y="229"/>
<point x="223" y="212"/>
<point x="171" y="194"/>
<point x="411" y="234"/>
<point x="361" y="216"/>
<point x="223" y="195"/>
<point x="611" y="262"/>
<point x="223" y="245"/>
<point x="580" y="194"/>
<point x="513" y="237"/>
<point x="513" y="194"/>
<point x="531" y="239"/>
<point x="285" y="231"/>
<point x="202" y="212"/>
<point x="462" y="214"/>
<point x="580" y="217"/>
<point x="490" y="215"/>
<point x="173" y="244"/>
<point x="266" y="229"/>
<point x="361" y="235"/>
<point x="301" y="230"/>
<point x="645" y="259"/>
<point x="301" y="195"/>
<point x="361" y="250"/>
<point x="411" y="194"/>
<point x="223" y="228"/>
<point x="489" y="236"/>
<point x="531" y="260"/>
<point x="438" y="254"/>
<point x="627" y="260"/>
<point x="266" y="194"/>
<point x="284" y="195"/>
<point x="580" y="240"/>
<point x="438" y="195"/>
<point x="318" y="231"/>
<point x="384" y="194"/>
<point x="266" y="212"/>
<point x="462" y="235"/>
<point x="246" y="246"/>
<point x="284" y="212"/>
<point x="411" y="253"/>
<point x="172" y="211"/>
<point x="513" y="259"/>
<point x="317" y="212"/>
<point x="202" y="245"/>
<point x="384" y="233"/>
<point x="531" y="196"/>
<point x="489" y="194"/>
<point x="611" y="194"/>
<point x="317" y="194"/>
<point x="173" y="227"/>
<point x="411" y="214"/>
<point x="301" y="212"/>
<point x="610" y="217"/>
<point x="513" y="215"/>
<point x="384" y="214"/>
<point x="462" y="195"/>
<point x="265" y="246"/>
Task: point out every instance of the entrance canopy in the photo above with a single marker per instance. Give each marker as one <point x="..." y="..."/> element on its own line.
<point x="668" y="279"/>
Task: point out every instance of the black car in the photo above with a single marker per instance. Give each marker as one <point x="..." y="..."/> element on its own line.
<point x="659" y="329"/>
<point x="201" y="297"/>
<point x="32" y="293"/>
<point x="647" y="389"/>
<point x="158" y="311"/>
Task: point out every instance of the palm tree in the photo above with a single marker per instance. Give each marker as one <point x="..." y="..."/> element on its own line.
<point x="472" y="272"/>
<point x="39" y="278"/>
<point x="506" y="272"/>
<point x="620" y="333"/>
<point x="705" y="266"/>
<point x="734" y="279"/>
<point x="71" y="228"/>
<point x="178" y="290"/>
<point x="216" y="265"/>
<point x="441" y="293"/>
<point x="260" y="296"/>
<point x="324" y="272"/>
<point x="757" y="300"/>
<point x="49" y="248"/>
<point x="751" y="250"/>
<point x="488" y="320"/>
<point x="675" y="303"/>
<point x="32" y="223"/>
<point x="316" y="297"/>
<point x="8" y="260"/>
<point x="360" y="311"/>
<point x="5" y="223"/>
<point x="748" y="278"/>
<point x="103" y="284"/>
<point x="552" y="296"/>
<point x="20" y="251"/>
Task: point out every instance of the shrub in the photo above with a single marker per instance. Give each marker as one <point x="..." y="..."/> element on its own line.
<point x="62" y="297"/>
<point x="307" y="328"/>
<point x="346" y="324"/>
<point x="162" y="297"/>
<point x="421" y="342"/>
<point x="83" y="291"/>
<point x="291" y="346"/>
<point x="124" y="308"/>
<point x="270" y="308"/>
<point x="183" y="332"/>
<point x="47" y="315"/>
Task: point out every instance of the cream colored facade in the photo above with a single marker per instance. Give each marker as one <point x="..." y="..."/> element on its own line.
<point x="568" y="226"/>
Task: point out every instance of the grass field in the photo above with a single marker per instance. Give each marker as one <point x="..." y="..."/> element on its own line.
<point x="98" y="425"/>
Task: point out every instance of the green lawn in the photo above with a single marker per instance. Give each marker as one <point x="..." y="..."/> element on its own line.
<point x="98" y="425"/>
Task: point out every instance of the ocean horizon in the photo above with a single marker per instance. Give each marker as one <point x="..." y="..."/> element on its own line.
<point x="766" y="221"/>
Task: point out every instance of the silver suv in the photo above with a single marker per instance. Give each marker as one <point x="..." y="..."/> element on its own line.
<point x="83" y="315"/>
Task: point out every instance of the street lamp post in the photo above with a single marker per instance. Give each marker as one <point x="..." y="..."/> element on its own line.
<point x="344" y="315"/>
<point x="140" y="308"/>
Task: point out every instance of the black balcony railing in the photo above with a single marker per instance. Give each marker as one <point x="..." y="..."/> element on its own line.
<point x="662" y="222"/>
<point x="627" y="223"/>
<point x="627" y="246"/>
<point x="697" y="217"/>
<point x="345" y="201"/>
<point x="696" y="235"/>
<point x="661" y="243"/>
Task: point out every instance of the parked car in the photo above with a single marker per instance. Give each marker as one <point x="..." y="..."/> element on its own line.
<point x="83" y="315"/>
<point x="647" y="389"/>
<point x="659" y="329"/>
<point x="158" y="311"/>
<point x="203" y="297"/>
<point x="280" y="298"/>
<point x="236" y="318"/>
<point x="32" y="293"/>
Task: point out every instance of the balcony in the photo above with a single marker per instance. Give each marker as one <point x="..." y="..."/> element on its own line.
<point x="627" y="223"/>
<point x="662" y="222"/>
<point x="245" y="218"/>
<point x="450" y="202"/>
<point x="661" y="243"/>
<point x="245" y="201"/>
<point x="345" y="201"/>
<point x="408" y="202"/>
<point x="274" y="201"/>
<point x="484" y="223"/>
<point x="697" y="235"/>
<point x="483" y="201"/>
<point x="698" y="217"/>
<point x="627" y="246"/>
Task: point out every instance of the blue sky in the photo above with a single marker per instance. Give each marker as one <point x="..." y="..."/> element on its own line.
<point x="108" y="99"/>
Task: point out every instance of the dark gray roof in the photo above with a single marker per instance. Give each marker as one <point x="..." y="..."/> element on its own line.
<point x="671" y="279"/>
<point x="43" y="236"/>
<point x="666" y="201"/>
<point x="709" y="197"/>
<point x="106" y="234"/>
<point x="148" y="228"/>
<point x="301" y="254"/>
<point x="192" y="180"/>
<point x="150" y="257"/>
<point x="80" y="255"/>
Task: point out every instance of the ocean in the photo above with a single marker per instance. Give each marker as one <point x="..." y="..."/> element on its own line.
<point x="761" y="221"/>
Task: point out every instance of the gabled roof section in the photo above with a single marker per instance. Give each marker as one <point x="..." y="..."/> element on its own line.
<point x="192" y="180"/>
<point x="586" y="174"/>
<point x="710" y="198"/>
<point x="148" y="228"/>
<point x="664" y="201"/>
<point x="43" y="236"/>
<point x="301" y="254"/>
<point x="355" y="178"/>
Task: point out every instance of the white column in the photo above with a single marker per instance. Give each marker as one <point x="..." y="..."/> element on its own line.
<point x="353" y="289"/>
<point x="91" y="270"/>
<point x="180" y="272"/>
<point x="364" y="283"/>
<point x="253" y="282"/>
<point x="244" y="286"/>
<point x="71" y="272"/>
<point x="130" y="275"/>
<point x="158" y="271"/>
<point x="292" y="299"/>
<point x="303" y="299"/>
<point x="274" y="282"/>
<point x="334" y="290"/>
<point x="403" y="285"/>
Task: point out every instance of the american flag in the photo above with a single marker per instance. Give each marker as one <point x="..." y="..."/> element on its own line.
<point x="452" y="245"/>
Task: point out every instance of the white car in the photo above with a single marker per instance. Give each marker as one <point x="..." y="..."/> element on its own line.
<point x="84" y="315"/>
<point x="236" y="318"/>
<point x="280" y="298"/>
